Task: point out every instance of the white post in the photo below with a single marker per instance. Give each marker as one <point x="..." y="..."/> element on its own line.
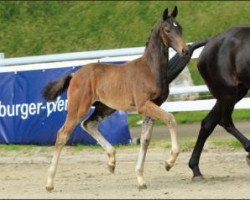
<point x="1" y="55"/>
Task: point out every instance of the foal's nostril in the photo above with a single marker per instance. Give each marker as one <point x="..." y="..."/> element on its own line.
<point x="185" y="52"/>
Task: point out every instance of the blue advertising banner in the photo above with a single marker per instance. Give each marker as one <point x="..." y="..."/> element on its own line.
<point x="26" y="118"/>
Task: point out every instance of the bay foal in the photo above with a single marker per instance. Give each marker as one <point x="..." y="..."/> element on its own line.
<point x="140" y="85"/>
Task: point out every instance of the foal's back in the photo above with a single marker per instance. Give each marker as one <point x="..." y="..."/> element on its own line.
<point x="117" y="86"/>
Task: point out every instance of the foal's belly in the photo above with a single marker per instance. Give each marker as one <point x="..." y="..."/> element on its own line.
<point x="119" y="100"/>
<point x="118" y="104"/>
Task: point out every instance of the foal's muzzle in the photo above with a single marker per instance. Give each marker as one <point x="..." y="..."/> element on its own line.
<point x="185" y="52"/>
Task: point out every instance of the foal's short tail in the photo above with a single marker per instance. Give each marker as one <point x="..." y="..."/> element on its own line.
<point x="53" y="89"/>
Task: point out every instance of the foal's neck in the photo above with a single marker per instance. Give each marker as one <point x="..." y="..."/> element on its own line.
<point x="156" y="55"/>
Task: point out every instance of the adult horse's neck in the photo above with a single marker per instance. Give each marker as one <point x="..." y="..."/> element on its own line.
<point x="156" y="55"/>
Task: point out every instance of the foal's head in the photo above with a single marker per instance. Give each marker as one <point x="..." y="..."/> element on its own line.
<point x="171" y="32"/>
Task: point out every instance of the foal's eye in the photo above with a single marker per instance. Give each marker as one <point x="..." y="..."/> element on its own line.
<point x="166" y="29"/>
<point x="174" y="23"/>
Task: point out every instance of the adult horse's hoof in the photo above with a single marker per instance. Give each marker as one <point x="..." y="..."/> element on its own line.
<point x="248" y="159"/>
<point x="142" y="187"/>
<point x="49" y="188"/>
<point x="111" y="168"/>
<point x="198" y="179"/>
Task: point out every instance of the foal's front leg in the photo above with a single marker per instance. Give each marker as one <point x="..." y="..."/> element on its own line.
<point x="147" y="128"/>
<point x="155" y="112"/>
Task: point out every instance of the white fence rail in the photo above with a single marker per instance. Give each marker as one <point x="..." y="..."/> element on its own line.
<point x="71" y="56"/>
<point x="199" y="105"/>
<point x="196" y="105"/>
<point x="127" y="54"/>
<point x="85" y="55"/>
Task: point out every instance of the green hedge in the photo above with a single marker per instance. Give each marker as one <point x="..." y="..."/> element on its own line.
<point x="47" y="27"/>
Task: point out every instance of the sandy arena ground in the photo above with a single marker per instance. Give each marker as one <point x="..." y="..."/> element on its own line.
<point x="83" y="174"/>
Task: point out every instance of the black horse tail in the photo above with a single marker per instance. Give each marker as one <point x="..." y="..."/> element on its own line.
<point x="177" y="63"/>
<point x="53" y="89"/>
<point x="199" y="44"/>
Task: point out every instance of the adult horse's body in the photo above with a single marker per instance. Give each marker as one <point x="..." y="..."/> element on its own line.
<point x="224" y="65"/>
<point x="140" y="85"/>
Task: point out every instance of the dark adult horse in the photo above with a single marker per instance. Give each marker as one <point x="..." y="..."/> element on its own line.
<point x="224" y="65"/>
<point x="141" y="85"/>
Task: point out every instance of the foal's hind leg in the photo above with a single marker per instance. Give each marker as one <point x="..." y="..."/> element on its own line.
<point x="147" y="128"/>
<point x="76" y="110"/>
<point x="91" y="126"/>
<point x="62" y="138"/>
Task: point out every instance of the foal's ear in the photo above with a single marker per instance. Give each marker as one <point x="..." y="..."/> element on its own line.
<point x="175" y="12"/>
<point x="165" y="14"/>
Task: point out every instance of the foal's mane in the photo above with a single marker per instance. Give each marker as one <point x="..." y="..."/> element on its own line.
<point x="156" y="55"/>
<point x="146" y="44"/>
<point x="153" y="32"/>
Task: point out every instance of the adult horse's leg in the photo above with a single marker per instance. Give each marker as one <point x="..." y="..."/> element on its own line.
<point x="248" y="159"/>
<point x="229" y="126"/>
<point x="152" y="110"/>
<point x="207" y="126"/>
<point x="222" y="114"/>
<point x="147" y="128"/>
<point x="91" y="126"/>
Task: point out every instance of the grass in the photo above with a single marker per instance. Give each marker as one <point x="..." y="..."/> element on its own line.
<point x="227" y="143"/>
<point x="16" y="147"/>
<point x="48" y="27"/>
<point x="80" y="147"/>
<point x="189" y="117"/>
<point x="185" y="146"/>
<point x="195" y="75"/>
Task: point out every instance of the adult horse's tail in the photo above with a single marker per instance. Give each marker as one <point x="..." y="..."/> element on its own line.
<point x="177" y="63"/>
<point x="53" y="89"/>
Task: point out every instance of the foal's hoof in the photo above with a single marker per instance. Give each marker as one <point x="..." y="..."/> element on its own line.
<point x="142" y="187"/>
<point x="168" y="166"/>
<point x="111" y="168"/>
<point x="248" y="159"/>
<point x="49" y="188"/>
<point x="198" y="179"/>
